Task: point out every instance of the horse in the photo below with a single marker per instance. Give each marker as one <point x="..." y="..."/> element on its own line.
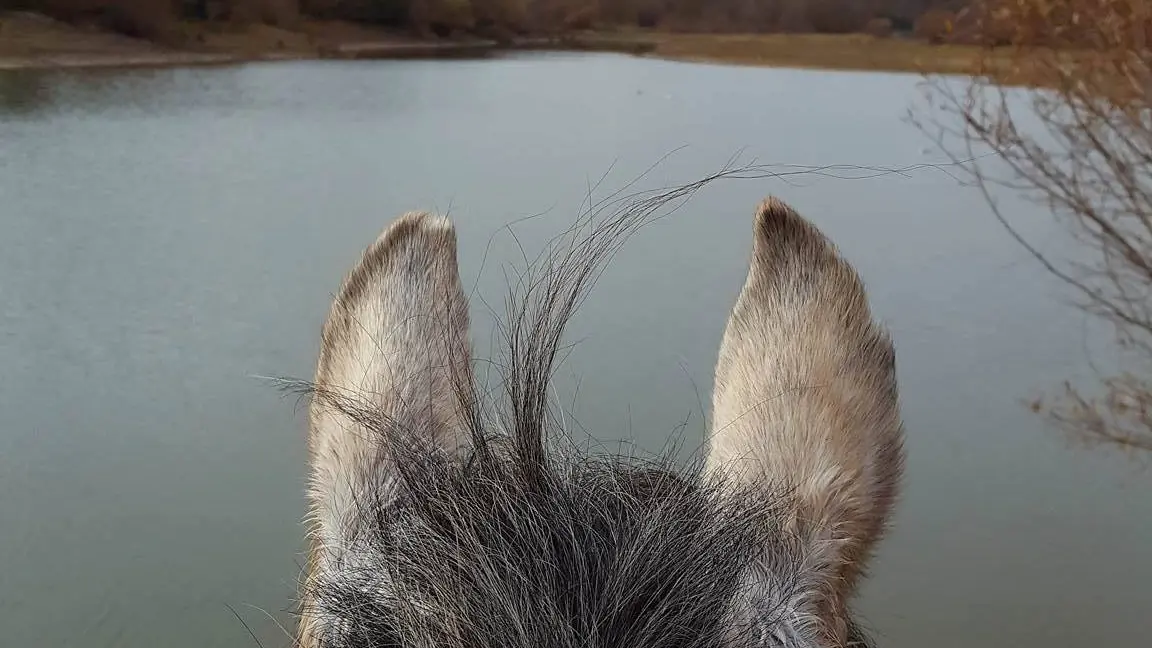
<point x="440" y="520"/>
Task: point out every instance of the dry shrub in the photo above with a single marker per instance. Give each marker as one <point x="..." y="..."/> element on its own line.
<point x="618" y="12"/>
<point x="1051" y="23"/>
<point x="281" y="13"/>
<point x="581" y="18"/>
<point x="324" y="9"/>
<point x="1103" y="25"/>
<point x="509" y="15"/>
<point x="441" y="17"/>
<point x="385" y="12"/>
<point x="794" y="18"/>
<point x="1079" y="145"/>
<point x="728" y="16"/>
<point x="551" y="16"/>
<point x="704" y="16"/>
<point x="151" y="19"/>
<point x="835" y="16"/>
<point x="879" y="27"/>
<point x="987" y="22"/>
<point x="747" y="15"/>
<point x="934" y="25"/>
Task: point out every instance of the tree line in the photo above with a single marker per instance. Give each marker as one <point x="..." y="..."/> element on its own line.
<point x="155" y="18"/>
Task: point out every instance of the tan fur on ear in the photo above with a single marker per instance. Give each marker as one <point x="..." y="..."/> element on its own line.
<point x="397" y="336"/>
<point x="805" y="395"/>
<point x="396" y="341"/>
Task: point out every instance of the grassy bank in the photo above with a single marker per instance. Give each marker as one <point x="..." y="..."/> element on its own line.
<point x="849" y="52"/>
<point x="823" y="51"/>
<point x="33" y="41"/>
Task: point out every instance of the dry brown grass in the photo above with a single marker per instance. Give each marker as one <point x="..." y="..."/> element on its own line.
<point x="1010" y="65"/>
<point x="826" y="51"/>
<point x="252" y="39"/>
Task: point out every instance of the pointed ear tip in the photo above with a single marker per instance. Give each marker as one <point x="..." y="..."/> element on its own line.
<point x="420" y="221"/>
<point x="433" y="228"/>
<point x="777" y="220"/>
<point x="774" y="210"/>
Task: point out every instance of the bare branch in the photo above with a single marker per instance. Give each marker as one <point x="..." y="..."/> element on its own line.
<point x="1078" y="143"/>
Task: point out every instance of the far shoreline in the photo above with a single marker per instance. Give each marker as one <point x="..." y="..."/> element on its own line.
<point x="31" y="43"/>
<point x="46" y="61"/>
<point x="384" y="52"/>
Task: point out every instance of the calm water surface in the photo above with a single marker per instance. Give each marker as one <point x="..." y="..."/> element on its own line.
<point x="168" y="237"/>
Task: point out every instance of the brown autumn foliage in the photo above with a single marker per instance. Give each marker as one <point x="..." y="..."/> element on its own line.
<point x="159" y="18"/>
<point x="935" y="25"/>
<point x="837" y="16"/>
<point x="987" y="22"/>
<point x="879" y="27"/>
<point x="280" y="13"/>
<point x="151" y="19"/>
<point x="1080" y="145"/>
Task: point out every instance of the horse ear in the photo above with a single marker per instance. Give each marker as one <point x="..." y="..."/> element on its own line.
<point x="396" y="345"/>
<point x="805" y="396"/>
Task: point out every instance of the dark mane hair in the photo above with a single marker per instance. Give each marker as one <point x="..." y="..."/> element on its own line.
<point x="580" y="551"/>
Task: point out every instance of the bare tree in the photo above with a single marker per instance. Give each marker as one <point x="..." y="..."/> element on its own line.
<point x="1065" y="113"/>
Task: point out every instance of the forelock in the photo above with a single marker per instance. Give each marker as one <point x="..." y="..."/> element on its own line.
<point x="607" y="551"/>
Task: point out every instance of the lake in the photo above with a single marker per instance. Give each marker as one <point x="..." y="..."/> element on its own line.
<point x="170" y="237"/>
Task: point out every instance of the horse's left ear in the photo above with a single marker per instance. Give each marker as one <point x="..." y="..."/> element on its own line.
<point x="395" y="345"/>
<point x="805" y="398"/>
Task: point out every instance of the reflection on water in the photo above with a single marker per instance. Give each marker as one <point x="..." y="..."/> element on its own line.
<point x="169" y="235"/>
<point x="224" y="89"/>
<point x="44" y="92"/>
<point x="24" y="92"/>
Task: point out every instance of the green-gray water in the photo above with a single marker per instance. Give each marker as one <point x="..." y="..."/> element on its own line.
<point x="168" y="236"/>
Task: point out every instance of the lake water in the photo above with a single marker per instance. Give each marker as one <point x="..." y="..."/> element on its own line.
<point x="167" y="237"/>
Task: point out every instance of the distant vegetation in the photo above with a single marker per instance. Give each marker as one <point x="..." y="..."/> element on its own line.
<point x="932" y="20"/>
<point x="1079" y="144"/>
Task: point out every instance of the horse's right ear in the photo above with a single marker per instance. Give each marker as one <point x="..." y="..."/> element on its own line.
<point x="805" y="396"/>
<point x="395" y="346"/>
